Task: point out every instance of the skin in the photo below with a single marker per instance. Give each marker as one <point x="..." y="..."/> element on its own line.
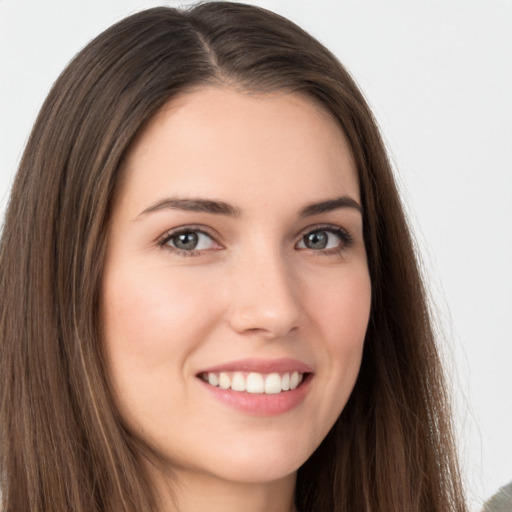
<point x="254" y="289"/>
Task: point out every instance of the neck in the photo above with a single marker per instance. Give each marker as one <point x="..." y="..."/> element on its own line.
<point x="194" y="492"/>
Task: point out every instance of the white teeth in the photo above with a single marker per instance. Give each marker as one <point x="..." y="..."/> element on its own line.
<point x="238" y="382"/>
<point x="253" y="382"/>
<point x="213" y="379"/>
<point x="294" y="380"/>
<point x="285" y="382"/>
<point x="273" y="384"/>
<point x="224" y="381"/>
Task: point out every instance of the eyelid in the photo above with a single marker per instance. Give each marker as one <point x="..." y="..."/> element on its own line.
<point x="347" y="238"/>
<point x="196" y="228"/>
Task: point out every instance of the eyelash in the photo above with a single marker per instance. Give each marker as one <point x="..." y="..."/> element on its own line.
<point x="345" y="237"/>
<point x="167" y="237"/>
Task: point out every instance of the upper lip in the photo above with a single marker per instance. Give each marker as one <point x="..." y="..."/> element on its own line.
<point x="282" y="365"/>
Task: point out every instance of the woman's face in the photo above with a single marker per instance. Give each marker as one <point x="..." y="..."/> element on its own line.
<point x="236" y="261"/>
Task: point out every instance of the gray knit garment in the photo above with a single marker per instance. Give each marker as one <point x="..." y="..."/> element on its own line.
<point x="501" y="501"/>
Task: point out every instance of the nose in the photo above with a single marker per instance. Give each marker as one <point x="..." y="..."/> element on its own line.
<point x="264" y="297"/>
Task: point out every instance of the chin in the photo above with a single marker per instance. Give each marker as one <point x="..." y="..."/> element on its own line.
<point x="259" y="464"/>
<point x="256" y="472"/>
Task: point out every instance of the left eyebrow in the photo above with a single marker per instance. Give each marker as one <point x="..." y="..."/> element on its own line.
<point x="194" y="205"/>
<point x="330" y="205"/>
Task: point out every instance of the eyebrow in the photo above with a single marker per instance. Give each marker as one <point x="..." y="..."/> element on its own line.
<point x="330" y="205"/>
<point x="194" y="205"/>
<point x="222" y="208"/>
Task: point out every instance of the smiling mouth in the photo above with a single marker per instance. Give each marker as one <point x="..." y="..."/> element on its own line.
<point x="253" y="382"/>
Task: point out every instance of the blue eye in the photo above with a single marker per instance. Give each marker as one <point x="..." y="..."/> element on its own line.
<point x="330" y="239"/>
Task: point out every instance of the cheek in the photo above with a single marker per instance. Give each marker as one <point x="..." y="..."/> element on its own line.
<point x="342" y="314"/>
<point x="343" y="309"/>
<point x="149" y="317"/>
<point x="150" y="326"/>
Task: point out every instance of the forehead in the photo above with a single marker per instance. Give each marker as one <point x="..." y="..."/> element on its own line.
<point x="217" y="141"/>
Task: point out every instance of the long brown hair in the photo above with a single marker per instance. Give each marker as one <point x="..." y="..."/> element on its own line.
<point x="63" y="444"/>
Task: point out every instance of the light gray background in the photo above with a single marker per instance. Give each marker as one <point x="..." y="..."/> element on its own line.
<point x="438" y="74"/>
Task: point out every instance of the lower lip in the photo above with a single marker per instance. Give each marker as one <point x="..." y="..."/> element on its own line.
<point x="260" y="404"/>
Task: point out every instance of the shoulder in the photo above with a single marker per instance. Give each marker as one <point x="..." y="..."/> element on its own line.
<point x="501" y="501"/>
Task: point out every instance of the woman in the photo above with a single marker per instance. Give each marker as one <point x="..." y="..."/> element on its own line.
<point x="210" y="298"/>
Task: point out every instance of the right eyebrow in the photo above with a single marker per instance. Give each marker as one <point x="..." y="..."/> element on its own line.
<point x="330" y="205"/>
<point x="193" y="205"/>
